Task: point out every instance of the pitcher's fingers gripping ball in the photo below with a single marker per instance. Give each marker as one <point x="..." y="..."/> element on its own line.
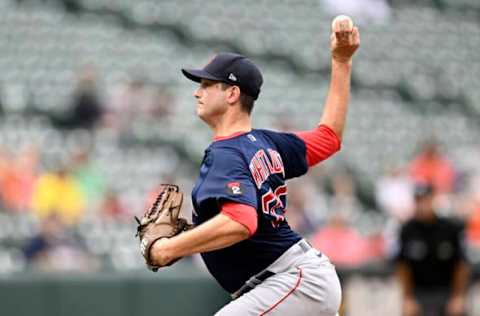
<point x="345" y="38"/>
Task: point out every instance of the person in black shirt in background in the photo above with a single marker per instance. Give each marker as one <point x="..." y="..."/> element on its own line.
<point x="431" y="266"/>
<point x="85" y="109"/>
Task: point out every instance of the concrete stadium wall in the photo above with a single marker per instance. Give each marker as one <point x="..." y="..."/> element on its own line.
<point x="115" y="295"/>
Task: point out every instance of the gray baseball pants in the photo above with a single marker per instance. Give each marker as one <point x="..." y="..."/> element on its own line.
<point x="302" y="282"/>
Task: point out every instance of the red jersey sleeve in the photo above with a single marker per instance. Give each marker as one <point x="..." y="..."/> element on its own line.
<point x="321" y="143"/>
<point x="241" y="213"/>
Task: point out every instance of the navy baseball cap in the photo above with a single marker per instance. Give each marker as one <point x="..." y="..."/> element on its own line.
<point x="234" y="69"/>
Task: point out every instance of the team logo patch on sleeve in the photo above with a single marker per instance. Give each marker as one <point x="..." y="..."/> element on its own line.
<point x="234" y="188"/>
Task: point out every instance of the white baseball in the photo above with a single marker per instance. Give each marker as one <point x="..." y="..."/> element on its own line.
<point x="340" y="19"/>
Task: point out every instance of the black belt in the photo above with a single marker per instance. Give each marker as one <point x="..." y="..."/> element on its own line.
<point x="252" y="283"/>
<point x="265" y="274"/>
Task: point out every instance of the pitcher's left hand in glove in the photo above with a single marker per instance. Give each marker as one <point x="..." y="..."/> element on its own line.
<point x="161" y="221"/>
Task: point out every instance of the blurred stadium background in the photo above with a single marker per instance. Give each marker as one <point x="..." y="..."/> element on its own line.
<point x="94" y="114"/>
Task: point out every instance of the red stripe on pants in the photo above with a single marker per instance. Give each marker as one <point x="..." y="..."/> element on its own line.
<point x="286" y="295"/>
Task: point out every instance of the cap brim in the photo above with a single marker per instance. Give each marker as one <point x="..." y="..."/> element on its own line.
<point x="198" y="74"/>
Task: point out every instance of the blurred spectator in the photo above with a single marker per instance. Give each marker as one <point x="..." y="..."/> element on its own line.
<point x="394" y="194"/>
<point x="432" y="269"/>
<point x="54" y="248"/>
<point x="432" y="167"/>
<point x="5" y="162"/>
<point x="112" y="207"/>
<point x="341" y="242"/>
<point x="473" y="224"/>
<point x="17" y="180"/>
<point x="86" y="109"/>
<point x="58" y="193"/>
<point x="88" y="177"/>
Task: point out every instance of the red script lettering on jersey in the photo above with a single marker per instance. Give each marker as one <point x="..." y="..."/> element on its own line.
<point x="261" y="165"/>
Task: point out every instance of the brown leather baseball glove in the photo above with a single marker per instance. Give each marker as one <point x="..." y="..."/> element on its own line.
<point x="161" y="221"/>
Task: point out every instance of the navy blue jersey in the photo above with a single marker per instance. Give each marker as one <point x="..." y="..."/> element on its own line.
<point x="250" y="168"/>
